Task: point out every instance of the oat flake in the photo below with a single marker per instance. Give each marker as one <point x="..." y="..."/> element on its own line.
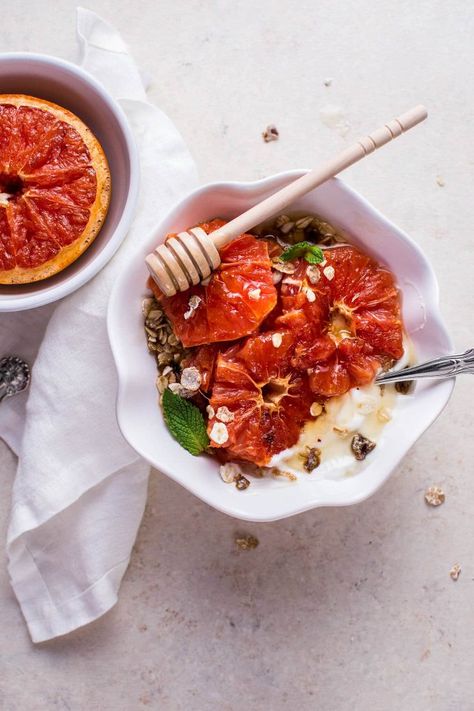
<point x="193" y="304"/>
<point x="313" y="273"/>
<point x="310" y="295"/>
<point x="277" y="340"/>
<point x="191" y="378"/>
<point x="219" y="433"/>
<point x="229" y="472"/>
<point x="224" y="414"/>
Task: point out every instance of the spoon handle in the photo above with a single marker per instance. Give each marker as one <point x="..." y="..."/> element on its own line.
<point x="444" y="367"/>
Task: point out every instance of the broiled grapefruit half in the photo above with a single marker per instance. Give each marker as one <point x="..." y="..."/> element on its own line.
<point x="54" y="188"/>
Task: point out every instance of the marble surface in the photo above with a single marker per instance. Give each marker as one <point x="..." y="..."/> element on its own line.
<point x="336" y="609"/>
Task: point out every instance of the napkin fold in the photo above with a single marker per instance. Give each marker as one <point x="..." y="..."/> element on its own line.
<point x="80" y="490"/>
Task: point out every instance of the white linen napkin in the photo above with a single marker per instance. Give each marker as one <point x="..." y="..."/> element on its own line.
<point x="80" y="490"/>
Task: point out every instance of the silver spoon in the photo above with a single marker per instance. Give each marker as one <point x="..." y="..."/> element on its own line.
<point x="14" y="376"/>
<point x="444" y="367"/>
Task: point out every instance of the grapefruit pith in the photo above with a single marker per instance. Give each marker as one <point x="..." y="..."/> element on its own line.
<point x="54" y="188"/>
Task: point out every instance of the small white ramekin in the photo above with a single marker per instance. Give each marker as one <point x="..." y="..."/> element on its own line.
<point x="71" y="87"/>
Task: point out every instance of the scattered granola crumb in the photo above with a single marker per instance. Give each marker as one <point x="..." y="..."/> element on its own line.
<point x="210" y="411"/>
<point x="328" y="81"/>
<point x="312" y="459"/>
<point x="270" y="133"/>
<point x="224" y="414"/>
<point x="435" y="496"/>
<point x="440" y="181"/>
<point x="191" y="378"/>
<point x="329" y="273"/>
<point x="316" y="409"/>
<point x="254" y="294"/>
<point x="242" y="483"/>
<point x="219" y="433"/>
<point x="341" y="431"/>
<point x="230" y="472"/>
<point x="193" y="304"/>
<point x="361" y="446"/>
<point x="277" y="340"/>
<point x="246" y="543"/>
<point x="455" y="571"/>
<point x="404" y="387"/>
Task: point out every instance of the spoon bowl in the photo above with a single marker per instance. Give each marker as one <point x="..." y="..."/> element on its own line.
<point x="15" y="376"/>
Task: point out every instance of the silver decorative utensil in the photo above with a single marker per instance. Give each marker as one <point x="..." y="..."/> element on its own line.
<point x="14" y="376"/>
<point x="444" y="367"/>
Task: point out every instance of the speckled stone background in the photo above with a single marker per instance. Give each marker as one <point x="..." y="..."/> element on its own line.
<point x="336" y="609"/>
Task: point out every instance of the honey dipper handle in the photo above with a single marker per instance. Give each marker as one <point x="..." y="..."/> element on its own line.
<point x="278" y="201"/>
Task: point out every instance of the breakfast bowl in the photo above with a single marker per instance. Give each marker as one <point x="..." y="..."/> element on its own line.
<point x="139" y="414"/>
<point x="67" y="85"/>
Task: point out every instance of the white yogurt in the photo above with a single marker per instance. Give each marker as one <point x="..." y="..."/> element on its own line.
<point x="365" y="410"/>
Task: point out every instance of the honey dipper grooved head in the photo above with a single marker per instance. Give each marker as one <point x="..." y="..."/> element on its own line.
<point x="183" y="260"/>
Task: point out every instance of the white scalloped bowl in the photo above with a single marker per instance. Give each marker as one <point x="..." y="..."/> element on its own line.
<point x="139" y="414"/>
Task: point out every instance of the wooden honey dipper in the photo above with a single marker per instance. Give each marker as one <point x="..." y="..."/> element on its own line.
<point x="191" y="256"/>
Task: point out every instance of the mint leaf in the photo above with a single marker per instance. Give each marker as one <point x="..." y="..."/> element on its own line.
<point x="185" y="422"/>
<point x="312" y="258"/>
<point x="311" y="252"/>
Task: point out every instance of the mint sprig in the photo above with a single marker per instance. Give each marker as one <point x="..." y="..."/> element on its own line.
<point x="185" y="422"/>
<point x="309" y="251"/>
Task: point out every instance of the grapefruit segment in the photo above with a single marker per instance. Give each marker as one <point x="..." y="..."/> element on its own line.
<point x="54" y="188"/>
<point x="352" y="363"/>
<point x="350" y="325"/>
<point x="238" y="297"/>
<point x="366" y="295"/>
<point x="269" y="401"/>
